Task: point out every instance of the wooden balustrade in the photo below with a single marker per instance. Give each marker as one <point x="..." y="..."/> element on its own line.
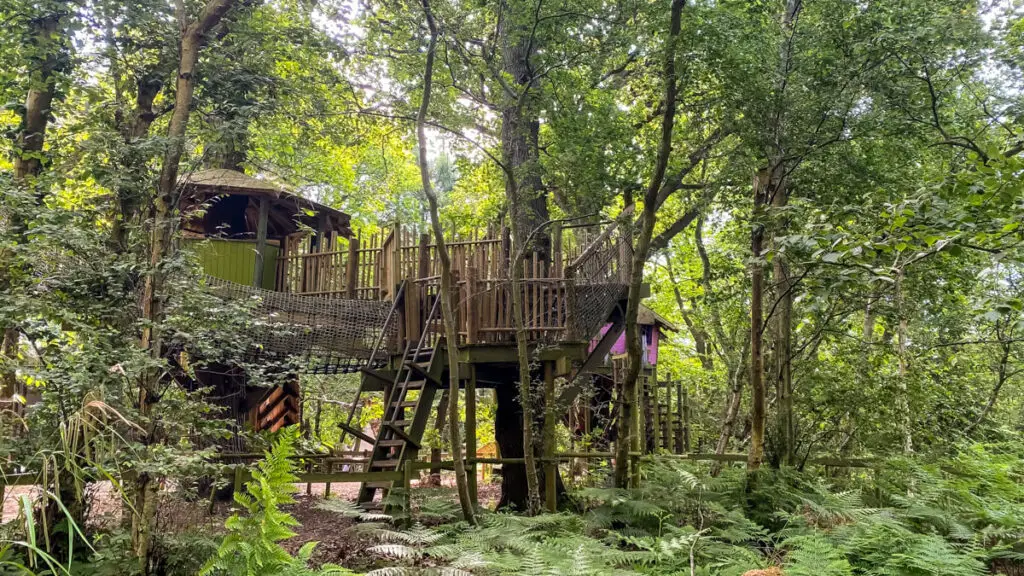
<point x="371" y="267"/>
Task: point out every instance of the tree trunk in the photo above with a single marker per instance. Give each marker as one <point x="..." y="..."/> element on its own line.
<point x="447" y="309"/>
<point x="435" y="453"/>
<point x="902" y="392"/>
<point x="755" y="455"/>
<point x="786" y="428"/>
<point x="520" y="129"/>
<point x="648" y="216"/>
<point x="133" y="162"/>
<point x="732" y="406"/>
<point x="153" y="296"/>
<point x="46" y="40"/>
<point x="1002" y="375"/>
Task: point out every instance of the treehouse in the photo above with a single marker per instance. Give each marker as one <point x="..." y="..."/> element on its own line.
<point x="335" y="302"/>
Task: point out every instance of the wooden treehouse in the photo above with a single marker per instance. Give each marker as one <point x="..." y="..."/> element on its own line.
<point x="370" y="305"/>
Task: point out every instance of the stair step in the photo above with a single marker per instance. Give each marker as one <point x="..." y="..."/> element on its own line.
<point x="411" y="404"/>
<point x="415" y="385"/>
<point x="381" y="484"/>
<point x="391" y="443"/>
<point x="392" y="463"/>
<point x="400" y="422"/>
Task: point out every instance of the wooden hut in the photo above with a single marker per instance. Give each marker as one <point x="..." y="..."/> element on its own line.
<point x="240" y="227"/>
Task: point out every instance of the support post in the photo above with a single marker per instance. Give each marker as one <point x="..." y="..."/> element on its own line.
<point x="435" y="453"/>
<point x="261" y="242"/>
<point x="238" y="479"/>
<point x="472" y="309"/>
<point x="550" y="465"/>
<point x="471" y="434"/>
<point x="684" y="427"/>
<point x="556" y="249"/>
<point x="352" y="268"/>
<point x="327" y="486"/>
<point x="655" y="414"/>
<point x="407" y="472"/>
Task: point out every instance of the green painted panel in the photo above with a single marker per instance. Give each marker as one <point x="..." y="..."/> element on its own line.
<point x="234" y="260"/>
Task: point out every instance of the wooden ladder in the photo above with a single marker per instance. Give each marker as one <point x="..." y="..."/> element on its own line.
<point x="406" y="410"/>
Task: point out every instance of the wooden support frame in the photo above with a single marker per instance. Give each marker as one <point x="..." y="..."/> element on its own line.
<point x="550" y="416"/>
<point x="357" y="433"/>
<point x="471" y="435"/>
<point x="261" y="241"/>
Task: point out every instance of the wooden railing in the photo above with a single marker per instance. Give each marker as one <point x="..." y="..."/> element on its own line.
<point x="371" y="267"/>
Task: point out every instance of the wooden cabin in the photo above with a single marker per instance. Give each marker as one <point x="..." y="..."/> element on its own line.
<point x="595" y="418"/>
<point x="238" y="226"/>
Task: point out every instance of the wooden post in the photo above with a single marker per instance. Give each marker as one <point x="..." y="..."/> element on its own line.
<point x="666" y="421"/>
<point x="472" y="309"/>
<point x="327" y="487"/>
<point x="556" y="249"/>
<point x="570" y="304"/>
<point x="455" y="300"/>
<point x="684" y="426"/>
<point x="352" y="268"/>
<point x="407" y="472"/>
<point x="238" y="479"/>
<point x="471" y="433"/>
<point x="261" y="242"/>
<point x="435" y="453"/>
<point x="423" y="266"/>
<point x="625" y="262"/>
<point x="655" y="414"/>
<point x="548" y="448"/>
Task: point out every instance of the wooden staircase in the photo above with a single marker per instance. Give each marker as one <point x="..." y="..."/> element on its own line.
<point x="405" y="416"/>
<point x="408" y="401"/>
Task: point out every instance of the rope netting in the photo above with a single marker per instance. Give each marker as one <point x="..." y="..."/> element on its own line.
<point x="325" y="335"/>
<point x="600" y="277"/>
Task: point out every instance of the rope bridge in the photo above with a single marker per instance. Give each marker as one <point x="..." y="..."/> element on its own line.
<point x="327" y="336"/>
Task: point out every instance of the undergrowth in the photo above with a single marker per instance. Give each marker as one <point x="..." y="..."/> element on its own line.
<point x="954" y="516"/>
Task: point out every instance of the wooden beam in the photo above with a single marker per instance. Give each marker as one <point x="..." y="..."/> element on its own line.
<point x="357" y="433"/>
<point x="352" y="268"/>
<point x="548" y="446"/>
<point x="471" y="432"/>
<point x="261" y="242"/>
<point x="397" y="430"/>
<point x="423" y="373"/>
<point x="379" y="377"/>
<point x="593" y="360"/>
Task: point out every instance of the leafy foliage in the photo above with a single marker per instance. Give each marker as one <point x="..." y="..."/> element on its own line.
<point x="251" y="546"/>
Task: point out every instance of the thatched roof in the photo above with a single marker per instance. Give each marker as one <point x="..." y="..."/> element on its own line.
<point x="239" y="194"/>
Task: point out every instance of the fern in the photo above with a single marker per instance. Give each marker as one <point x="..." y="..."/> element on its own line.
<point x="251" y="546"/>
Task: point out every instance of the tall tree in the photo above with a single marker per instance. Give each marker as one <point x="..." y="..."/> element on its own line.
<point x="44" y="52"/>
<point x="450" y="329"/>
<point x="154" y="296"/>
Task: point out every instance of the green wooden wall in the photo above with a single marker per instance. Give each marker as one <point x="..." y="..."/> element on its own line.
<point x="234" y="260"/>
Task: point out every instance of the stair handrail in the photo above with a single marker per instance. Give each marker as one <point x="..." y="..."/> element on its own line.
<point x="395" y="303"/>
<point x="416" y="353"/>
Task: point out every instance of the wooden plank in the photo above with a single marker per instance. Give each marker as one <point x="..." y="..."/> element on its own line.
<point x="352" y="268"/>
<point x="397" y="431"/>
<point x="357" y="433"/>
<point x="472" y="310"/>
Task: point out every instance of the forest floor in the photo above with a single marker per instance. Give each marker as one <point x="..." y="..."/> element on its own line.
<point x="336" y="543"/>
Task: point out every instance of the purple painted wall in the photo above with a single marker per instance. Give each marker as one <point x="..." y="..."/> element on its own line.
<point x="649" y="340"/>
